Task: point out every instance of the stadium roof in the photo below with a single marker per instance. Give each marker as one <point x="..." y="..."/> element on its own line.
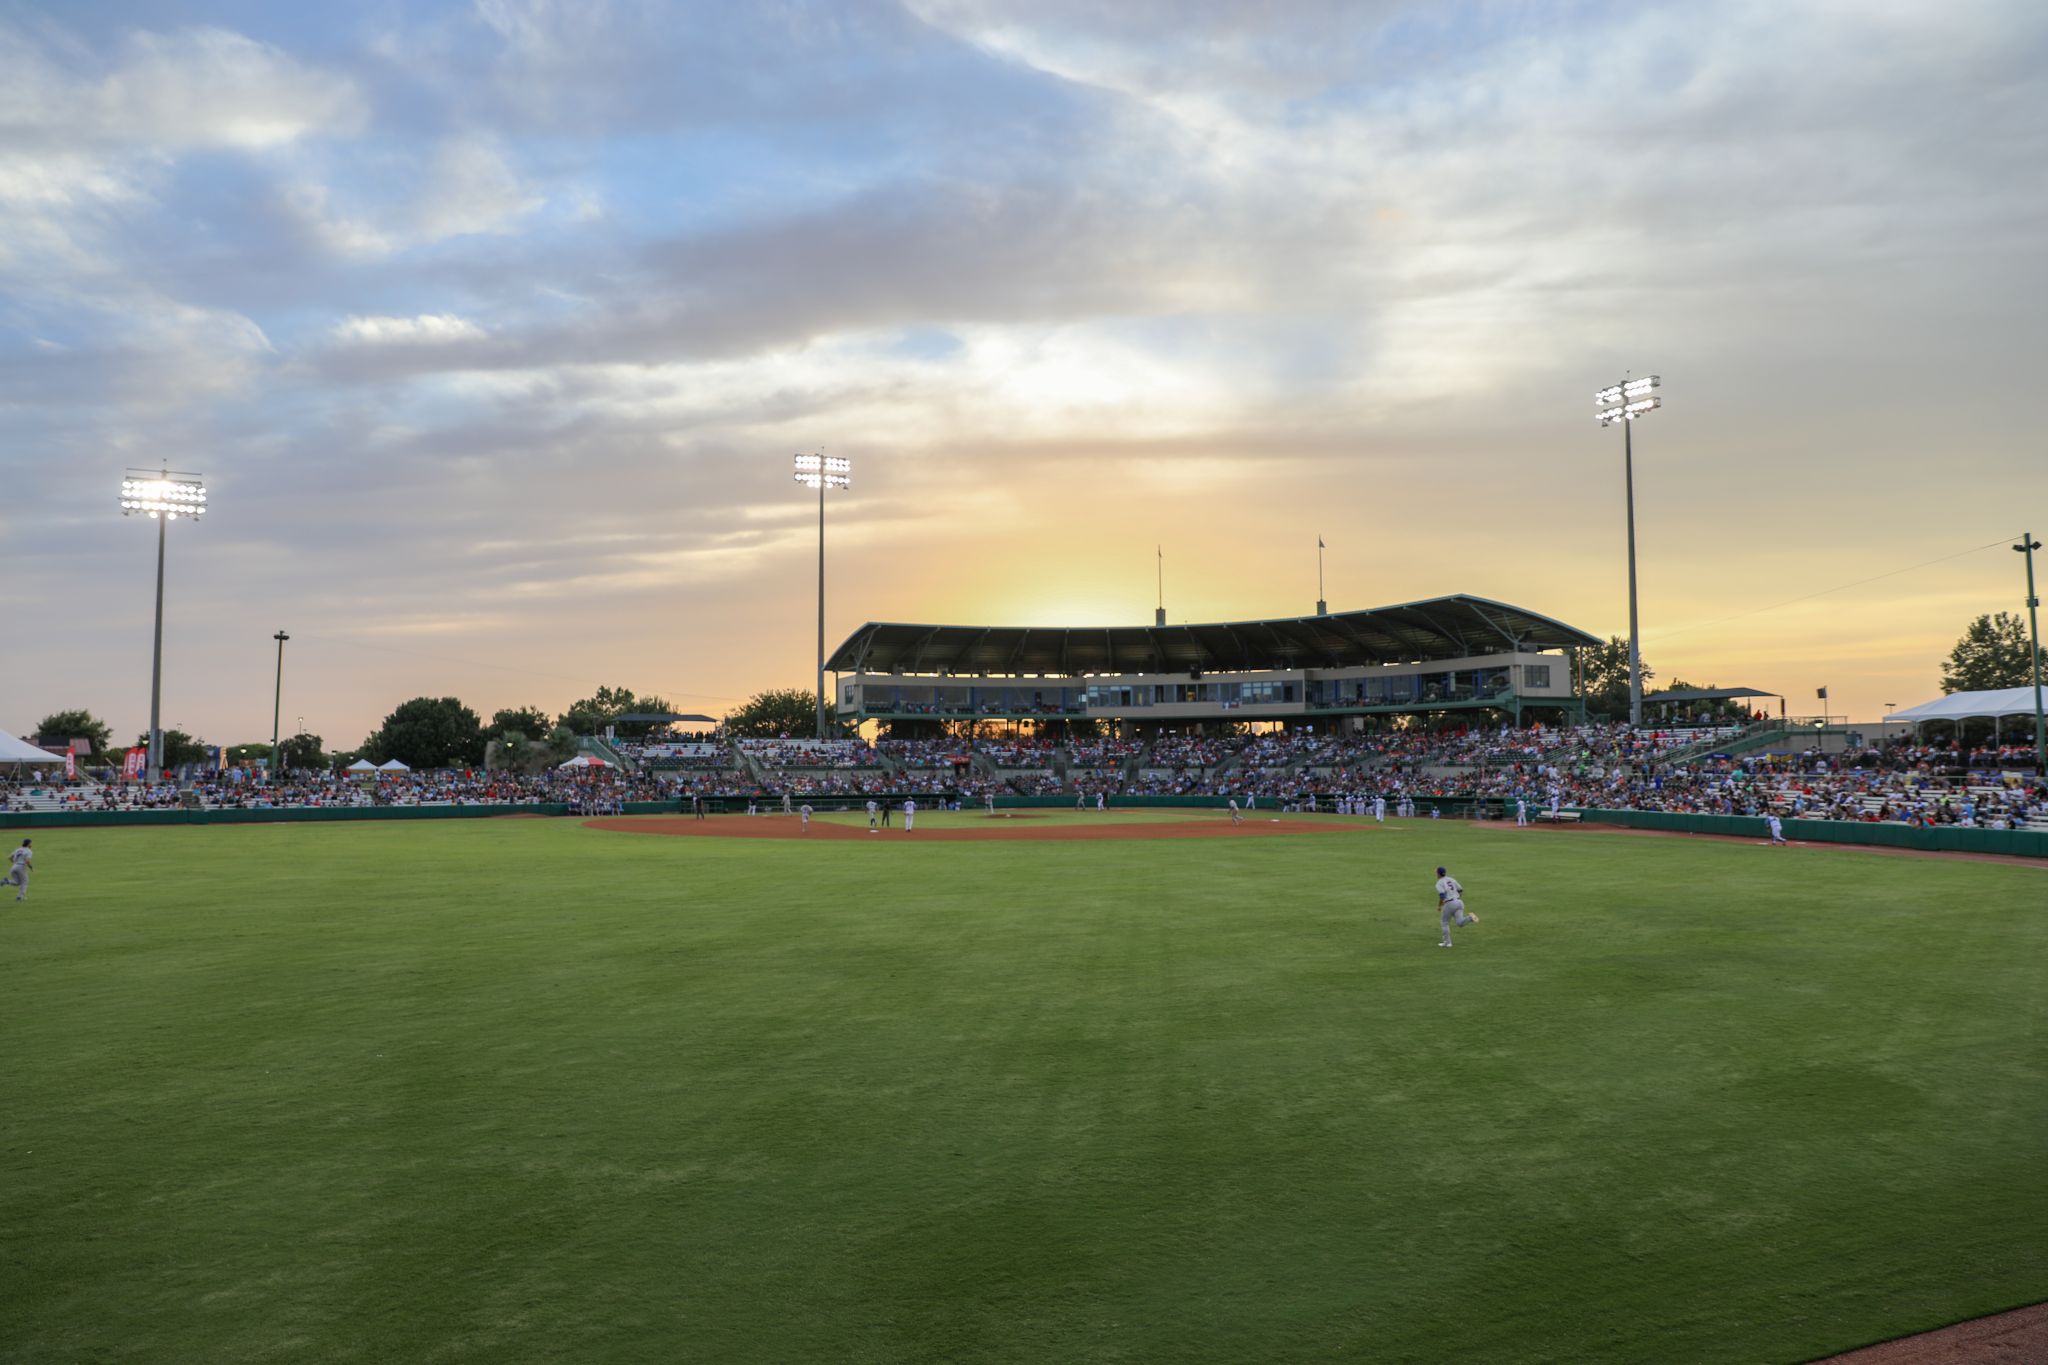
<point x="1706" y="694"/>
<point x="1440" y="628"/>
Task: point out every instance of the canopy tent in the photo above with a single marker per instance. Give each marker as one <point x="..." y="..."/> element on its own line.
<point x="584" y="761"/>
<point x="13" y="751"/>
<point x="392" y="766"/>
<point x="361" y="765"/>
<point x="2006" y="701"/>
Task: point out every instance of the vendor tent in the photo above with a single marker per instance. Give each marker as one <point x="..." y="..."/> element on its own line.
<point x="13" y="751"/>
<point x="2006" y="701"/>
<point x="584" y="761"/>
<point x="361" y="765"/>
<point x="392" y="766"/>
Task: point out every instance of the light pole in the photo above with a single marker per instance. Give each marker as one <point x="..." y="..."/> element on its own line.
<point x="822" y="472"/>
<point x="277" y="703"/>
<point x="163" y="497"/>
<point x="2027" y="546"/>
<point x="1624" y="403"/>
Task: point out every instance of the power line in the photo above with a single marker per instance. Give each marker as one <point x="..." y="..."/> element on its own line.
<point x="1839" y="587"/>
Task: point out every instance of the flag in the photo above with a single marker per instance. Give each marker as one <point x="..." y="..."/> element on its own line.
<point x="1822" y="694"/>
<point x="1319" y="543"/>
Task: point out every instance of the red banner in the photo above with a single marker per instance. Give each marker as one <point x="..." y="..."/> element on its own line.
<point x="134" y="763"/>
<point x="70" y="764"/>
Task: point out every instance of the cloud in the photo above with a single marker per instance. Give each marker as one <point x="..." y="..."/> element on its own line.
<point x="428" y="329"/>
<point x="191" y="88"/>
<point x="531" y="301"/>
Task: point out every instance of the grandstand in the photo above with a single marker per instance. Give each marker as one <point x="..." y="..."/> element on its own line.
<point x="1446" y="654"/>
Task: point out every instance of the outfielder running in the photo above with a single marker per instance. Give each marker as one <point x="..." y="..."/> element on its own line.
<point x="1450" y="906"/>
<point x="18" y="868"/>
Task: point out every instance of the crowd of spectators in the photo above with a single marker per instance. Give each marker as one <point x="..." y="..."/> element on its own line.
<point x="1606" y="766"/>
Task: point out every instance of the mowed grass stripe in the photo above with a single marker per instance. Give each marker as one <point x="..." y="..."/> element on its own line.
<point x="521" y="1090"/>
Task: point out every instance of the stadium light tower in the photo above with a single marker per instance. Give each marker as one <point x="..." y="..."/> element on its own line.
<point x="2027" y="546"/>
<point x="163" y="497"/>
<point x="277" y="704"/>
<point x="1624" y="403"/>
<point x="822" y="472"/>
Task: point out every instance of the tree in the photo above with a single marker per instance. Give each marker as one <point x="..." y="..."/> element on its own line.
<point x="529" y="721"/>
<point x="300" y="752"/>
<point x="61" y="727"/>
<point x="591" y="715"/>
<point x="521" y="753"/>
<point x="1992" y="654"/>
<point x="243" y="755"/>
<point x="179" y="748"/>
<point x="1603" y="674"/>
<point x="780" y="711"/>
<point x="428" y="732"/>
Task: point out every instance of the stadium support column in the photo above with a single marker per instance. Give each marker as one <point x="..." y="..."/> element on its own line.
<point x="2027" y="546"/>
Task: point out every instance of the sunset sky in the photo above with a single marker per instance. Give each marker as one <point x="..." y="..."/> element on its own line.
<point x="493" y="328"/>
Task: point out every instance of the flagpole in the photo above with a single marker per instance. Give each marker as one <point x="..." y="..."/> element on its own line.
<point x="1322" y="604"/>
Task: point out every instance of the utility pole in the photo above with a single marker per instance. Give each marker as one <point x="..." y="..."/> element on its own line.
<point x="1624" y="403"/>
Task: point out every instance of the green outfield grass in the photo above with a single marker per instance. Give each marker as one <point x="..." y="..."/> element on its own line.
<point x="518" y="1090"/>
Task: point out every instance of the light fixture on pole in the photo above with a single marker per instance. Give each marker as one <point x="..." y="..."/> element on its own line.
<point x="2026" y="547"/>
<point x="277" y="705"/>
<point x="163" y="497"/>
<point x="1624" y="403"/>
<point x="822" y="472"/>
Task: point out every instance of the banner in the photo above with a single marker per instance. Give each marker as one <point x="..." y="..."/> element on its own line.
<point x="134" y="763"/>
<point x="70" y="764"/>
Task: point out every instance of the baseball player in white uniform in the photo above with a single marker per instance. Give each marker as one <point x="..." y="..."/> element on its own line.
<point x="785" y="803"/>
<point x="1777" y="828"/>
<point x="909" y="815"/>
<point x="1379" y="809"/>
<point x="1521" y="812"/>
<point x="1450" y="901"/>
<point x="18" y="868"/>
<point x="805" y="811"/>
<point x="874" y="813"/>
<point x="1236" y="815"/>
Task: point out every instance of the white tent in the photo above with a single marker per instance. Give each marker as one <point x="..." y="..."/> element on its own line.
<point x="392" y="766"/>
<point x="14" y="751"/>
<point x="584" y="761"/>
<point x="2006" y="701"/>
<point x="361" y="765"/>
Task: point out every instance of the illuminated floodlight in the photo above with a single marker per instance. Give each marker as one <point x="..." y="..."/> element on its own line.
<point x="1628" y="401"/>
<point x="163" y="494"/>
<point x="1624" y="403"/>
<point x="163" y="497"/>
<point x="824" y="471"/>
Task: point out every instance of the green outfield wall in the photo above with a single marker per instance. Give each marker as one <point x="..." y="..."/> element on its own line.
<point x="1933" y="839"/>
<point x="1938" y="839"/>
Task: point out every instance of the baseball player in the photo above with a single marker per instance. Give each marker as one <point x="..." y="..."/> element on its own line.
<point x="1101" y="803"/>
<point x="989" y="800"/>
<point x="17" y="870"/>
<point x="1236" y="815"/>
<point x="1777" y="828"/>
<point x="909" y="814"/>
<point x="805" y="811"/>
<point x="1251" y="801"/>
<point x="697" y="806"/>
<point x="785" y="804"/>
<point x="1379" y="809"/>
<point x="1521" y="812"/>
<point x="874" y="813"/>
<point x="1450" y="903"/>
